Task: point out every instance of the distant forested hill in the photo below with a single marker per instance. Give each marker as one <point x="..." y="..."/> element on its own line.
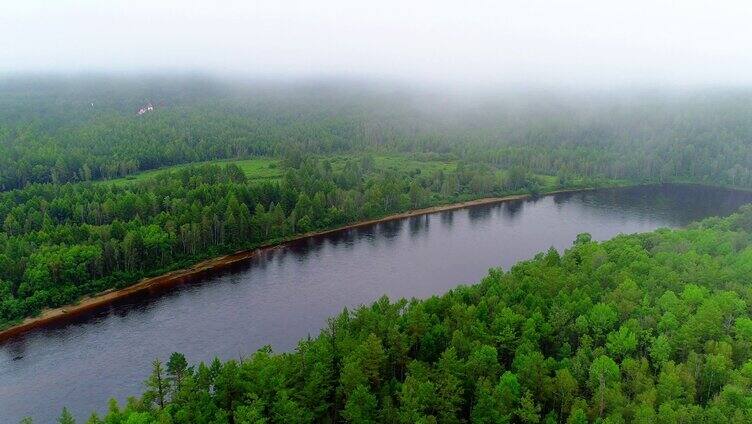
<point x="72" y="129"/>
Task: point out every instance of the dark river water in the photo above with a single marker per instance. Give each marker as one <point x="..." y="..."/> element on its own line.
<point x="287" y="293"/>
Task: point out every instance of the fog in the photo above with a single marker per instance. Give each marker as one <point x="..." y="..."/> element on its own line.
<point x="505" y="43"/>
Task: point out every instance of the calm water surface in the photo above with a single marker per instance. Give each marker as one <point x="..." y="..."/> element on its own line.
<point x="288" y="293"/>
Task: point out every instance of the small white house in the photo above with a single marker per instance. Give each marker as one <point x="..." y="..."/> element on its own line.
<point x="148" y="108"/>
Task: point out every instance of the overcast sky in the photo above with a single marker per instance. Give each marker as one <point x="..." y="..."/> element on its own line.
<point x="599" y="42"/>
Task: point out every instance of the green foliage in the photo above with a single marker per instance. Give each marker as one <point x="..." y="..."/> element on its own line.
<point x="66" y="417"/>
<point x="621" y="343"/>
<point x="156" y="384"/>
<point x="361" y="406"/>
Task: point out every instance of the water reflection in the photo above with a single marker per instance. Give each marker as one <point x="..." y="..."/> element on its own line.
<point x="418" y="225"/>
<point x="343" y="237"/>
<point x="447" y="218"/>
<point x="512" y="209"/>
<point x="562" y="198"/>
<point x="389" y="230"/>
<point x="480" y="213"/>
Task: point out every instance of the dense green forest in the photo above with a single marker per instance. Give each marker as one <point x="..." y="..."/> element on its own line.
<point x="643" y="328"/>
<point x="79" y="129"/>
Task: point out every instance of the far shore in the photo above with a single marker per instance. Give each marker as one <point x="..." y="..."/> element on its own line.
<point x="107" y="297"/>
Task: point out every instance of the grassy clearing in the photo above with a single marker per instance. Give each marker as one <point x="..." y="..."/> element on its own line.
<point x="261" y="169"/>
<point x="399" y="163"/>
<point x="405" y="163"/>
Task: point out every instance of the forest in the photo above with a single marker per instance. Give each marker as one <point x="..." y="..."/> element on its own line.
<point x="56" y="130"/>
<point x="643" y="328"/>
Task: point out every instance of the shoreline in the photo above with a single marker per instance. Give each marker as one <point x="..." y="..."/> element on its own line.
<point x="108" y="297"/>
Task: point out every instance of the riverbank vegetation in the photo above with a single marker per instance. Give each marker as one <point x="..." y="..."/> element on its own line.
<point x="63" y="241"/>
<point x="642" y="328"/>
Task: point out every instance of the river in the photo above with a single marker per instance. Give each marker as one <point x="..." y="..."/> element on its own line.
<point x="287" y="293"/>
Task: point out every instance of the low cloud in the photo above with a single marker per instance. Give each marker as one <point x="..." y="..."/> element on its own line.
<point x="540" y="43"/>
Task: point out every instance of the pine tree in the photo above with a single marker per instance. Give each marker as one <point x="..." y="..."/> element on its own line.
<point x="66" y="417"/>
<point x="156" y="386"/>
